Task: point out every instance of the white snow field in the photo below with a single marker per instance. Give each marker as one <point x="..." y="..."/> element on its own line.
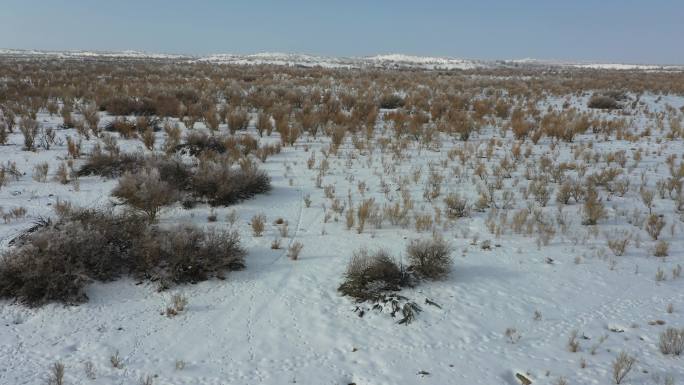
<point x="505" y="310"/>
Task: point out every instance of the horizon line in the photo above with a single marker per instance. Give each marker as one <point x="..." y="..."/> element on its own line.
<point x="323" y="56"/>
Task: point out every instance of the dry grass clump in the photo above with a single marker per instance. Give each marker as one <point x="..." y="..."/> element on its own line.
<point x="56" y="259"/>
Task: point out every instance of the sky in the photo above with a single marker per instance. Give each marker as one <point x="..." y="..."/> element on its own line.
<point x="627" y="31"/>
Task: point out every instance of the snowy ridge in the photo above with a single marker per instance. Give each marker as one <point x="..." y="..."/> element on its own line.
<point x="393" y="60"/>
<point x="131" y="54"/>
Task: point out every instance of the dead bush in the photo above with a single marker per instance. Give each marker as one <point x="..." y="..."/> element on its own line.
<point x="430" y="258"/>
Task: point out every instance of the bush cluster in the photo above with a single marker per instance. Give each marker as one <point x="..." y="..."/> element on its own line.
<point x="371" y="275"/>
<point x="55" y="261"/>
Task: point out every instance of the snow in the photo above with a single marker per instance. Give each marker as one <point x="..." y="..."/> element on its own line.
<point x="282" y="321"/>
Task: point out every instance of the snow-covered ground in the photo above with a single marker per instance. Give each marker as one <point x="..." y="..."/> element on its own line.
<point x="281" y="321"/>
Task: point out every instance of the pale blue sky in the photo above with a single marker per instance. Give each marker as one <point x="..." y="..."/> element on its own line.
<point x="600" y="30"/>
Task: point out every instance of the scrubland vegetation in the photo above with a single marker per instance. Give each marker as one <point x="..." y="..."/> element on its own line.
<point x="399" y="179"/>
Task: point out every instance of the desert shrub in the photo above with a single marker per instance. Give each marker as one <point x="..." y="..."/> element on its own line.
<point x="193" y="255"/>
<point x="148" y="138"/>
<point x="294" y="250"/>
<point x="671" y="341"/>
<point x="371" y="275"/>
<point x="541" y="190"/>
<point x="91" y="117"/>
<point x="391" y="101"/>
<point x="258" y="224"/>
<point x="211" y="119"/>
<point x="263" y="124"/>
<point x="56" y="374"/>
<point x="564" y="193"/>
<point x="111" y="165"/>
<point x="655" y="225"/>
<point x="173" y="133"/>
<point x="430" y="258"/>
<point x="4" y="133"/>
<point x="40" y="172"/>
<point x="237" y="120"/>
<point x="593" y="209"/>
<point x="618" y="243"/>
<point x="177" y="306"/>
<point x="145" y="191"/>
<point x="456" y="207"/>
<point x="56" y="259"/>
<point x="222" y="185"/>
<point x="214" y="181"/>
<point x="364" y="212"/>
<point x="29" y="129"/>
<point x="603" y="102"/>
<point x="396" y="214"/>
<point x="47" y="137"/>
<point x="661" y="249"/>
<point x="125" y="128"/>
<point x="622" y="366"/>
<point x="197" y="142"/>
